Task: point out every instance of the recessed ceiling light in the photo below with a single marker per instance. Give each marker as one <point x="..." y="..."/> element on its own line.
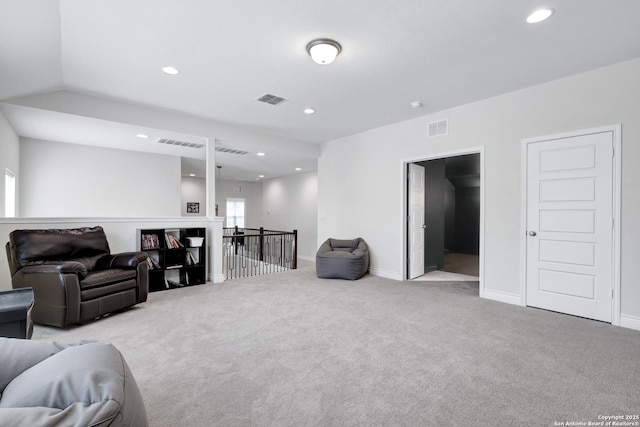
<point x="170" y="70"/>
<point x="142" y="135"/>
<point x="539" y="15"/>
<point x="309" y="110"/>
<point x="260" y="176"/>
<point x="416" y="104"/>
<point x="192" y="174"/>
<point x="298" y="169"/>
<point x="260" y="154"/>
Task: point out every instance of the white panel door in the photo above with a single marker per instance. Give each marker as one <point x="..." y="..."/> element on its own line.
<point x="570" y="225"/>
<point x="416" y="221"/>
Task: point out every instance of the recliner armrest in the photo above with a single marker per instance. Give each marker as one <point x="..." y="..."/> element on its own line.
<point x="123" y="260"/>
<point x="56" y="267"/>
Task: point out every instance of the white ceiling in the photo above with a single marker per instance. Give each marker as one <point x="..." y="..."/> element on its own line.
<point x="442" y="53"/>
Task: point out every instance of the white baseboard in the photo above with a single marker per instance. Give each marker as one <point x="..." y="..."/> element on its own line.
<point x="216" y="278"/>
<point x="502" y="297"/>
<point x="387" y="274"/>
<point x="630" y="322"/>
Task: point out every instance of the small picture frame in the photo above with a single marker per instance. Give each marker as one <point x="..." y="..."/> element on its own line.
<point x="193" y="207"/>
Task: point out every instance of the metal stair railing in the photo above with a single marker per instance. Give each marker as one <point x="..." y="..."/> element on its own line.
<point x="255" y="251"/>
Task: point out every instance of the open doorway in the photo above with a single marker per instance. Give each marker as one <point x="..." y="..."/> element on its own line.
<point x="449" y="225"/>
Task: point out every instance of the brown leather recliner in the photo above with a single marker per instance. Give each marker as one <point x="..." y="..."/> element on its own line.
<point x="73" y="274"/>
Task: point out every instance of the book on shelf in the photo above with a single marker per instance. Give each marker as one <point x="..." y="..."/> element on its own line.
<point x="150" y="241"/>
<point x="190" y="260"/>
<point x="172" y="242"/>
<point x="153" y="264"/>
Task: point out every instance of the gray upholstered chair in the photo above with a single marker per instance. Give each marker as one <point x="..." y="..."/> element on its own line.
<point x="342" y="259"/>
<point x="49" y="384"/>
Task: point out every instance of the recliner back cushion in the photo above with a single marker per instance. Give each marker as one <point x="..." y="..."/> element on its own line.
<point x="57" y="244"/>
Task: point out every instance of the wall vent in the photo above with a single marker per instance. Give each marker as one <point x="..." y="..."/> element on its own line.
<point x="438" y="128"/>
<point x="231" y="151"/>
<point x="179" y="143"/>
<point x="271" y="99"/>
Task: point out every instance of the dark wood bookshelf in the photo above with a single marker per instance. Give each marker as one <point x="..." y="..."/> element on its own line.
<point x="177" y="256"/>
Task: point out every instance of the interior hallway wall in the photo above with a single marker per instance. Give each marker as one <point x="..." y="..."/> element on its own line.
<point x="193" y="190"/>
<point x="290" y="203"/>
<point x="251" y="192"/>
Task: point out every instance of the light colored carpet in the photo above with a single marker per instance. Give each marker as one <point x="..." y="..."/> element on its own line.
<point x="289" y="349"/>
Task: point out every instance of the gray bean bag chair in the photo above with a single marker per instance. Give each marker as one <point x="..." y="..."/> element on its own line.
<point x="342" y="259"/>
<point x="50" y="384"/>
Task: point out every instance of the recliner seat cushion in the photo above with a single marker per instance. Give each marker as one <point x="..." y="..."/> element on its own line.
<point x="106" y="282"/>
<point x="105" y="277"/>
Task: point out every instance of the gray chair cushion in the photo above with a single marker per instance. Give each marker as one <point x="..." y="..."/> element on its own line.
<point x="19" y="355"/>
<point x="342" y="259"/>
<point x="88" y="384"/>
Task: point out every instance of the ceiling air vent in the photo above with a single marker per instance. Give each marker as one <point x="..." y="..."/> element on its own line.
<point x="271" y="99"/>
<point x="438" y="128"/>
<point x="179" y="143"/>
<point x="231" y="151"/>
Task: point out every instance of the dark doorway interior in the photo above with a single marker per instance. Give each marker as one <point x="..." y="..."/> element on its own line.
<point x="452" y="214"/>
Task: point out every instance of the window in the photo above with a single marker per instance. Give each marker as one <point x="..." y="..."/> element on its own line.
<point x="9" y="194"/>
<point x="235" y="212"/>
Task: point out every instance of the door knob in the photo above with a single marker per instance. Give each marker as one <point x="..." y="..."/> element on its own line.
<point x="424" y="226"/>
<point x="532" y="233"/>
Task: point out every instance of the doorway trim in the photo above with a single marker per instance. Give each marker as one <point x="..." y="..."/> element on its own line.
<point x="443" y="155"/>
<point x="617" y="176"/>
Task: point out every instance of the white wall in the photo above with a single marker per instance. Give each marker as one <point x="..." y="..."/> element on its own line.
<point x="251" y="192"/>
<point x="193" y="189"/>
<point x="361" y="177"/>
<point x="291" y="203"/>
<point x="71" y="180"/>
<point x="9" y="159"/>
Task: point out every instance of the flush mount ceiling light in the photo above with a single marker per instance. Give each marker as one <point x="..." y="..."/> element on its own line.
<point x="323" y="51"/>
<point x="170" y="70"/>
<point x="539" y="15"/>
